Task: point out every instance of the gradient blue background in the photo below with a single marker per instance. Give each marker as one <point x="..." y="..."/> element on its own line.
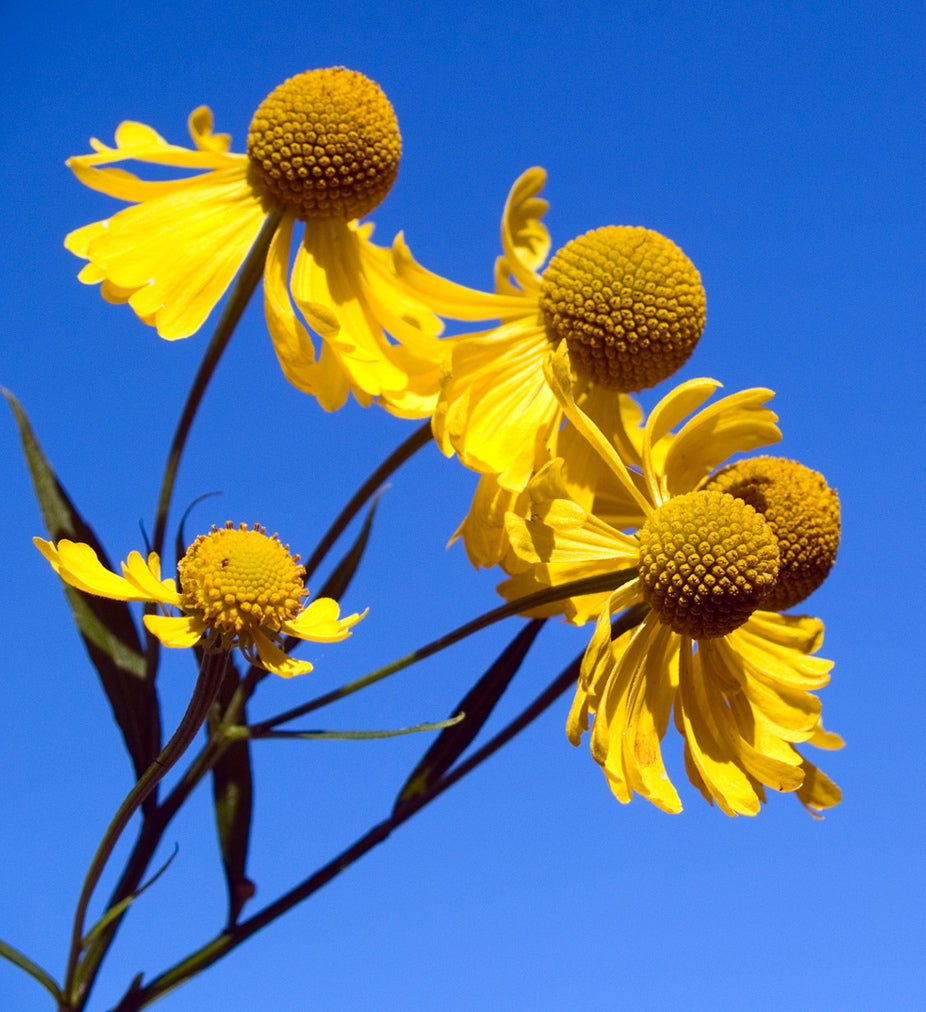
<point x="782" y="146"/>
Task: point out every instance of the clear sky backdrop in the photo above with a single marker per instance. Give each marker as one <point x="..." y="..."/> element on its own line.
<point x="782" y="146"/>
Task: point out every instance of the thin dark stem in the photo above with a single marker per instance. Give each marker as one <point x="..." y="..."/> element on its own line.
<point x="222" y="944"/>
<point x="575" y="588"/>
<point x="420" y="437"/>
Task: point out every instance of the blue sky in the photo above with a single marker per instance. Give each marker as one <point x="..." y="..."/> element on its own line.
<point x="782" y="146"/>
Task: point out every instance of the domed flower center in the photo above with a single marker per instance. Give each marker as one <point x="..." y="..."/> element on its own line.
<point x="629" y="303"/>
<point x="803" y="513"/>
<point x="707" y="561"/>
<point x="238" y="580"/>
<point x="326" y="144"/>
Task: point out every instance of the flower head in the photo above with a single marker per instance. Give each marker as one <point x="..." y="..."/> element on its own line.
<point x="801" y="510"/>
<point x="712" y="649"/>
<point x="323" y="149"/>
<point x="239" y="587"/>
<point x="627" y="303"/>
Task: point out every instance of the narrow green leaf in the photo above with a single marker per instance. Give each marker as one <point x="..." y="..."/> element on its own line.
<point x="477" y="704"/>
<point x="120" y="908"/>
<point x="232" y="793"/>
<point x="106" y="627"/>
<point x="33" y="969"/>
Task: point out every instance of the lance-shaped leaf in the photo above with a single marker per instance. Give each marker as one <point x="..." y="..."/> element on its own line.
<point x="232" y="792"/>
<point x="340" y="579"/>
<point x="476" y="706"/>
<point x="106" y="626"/>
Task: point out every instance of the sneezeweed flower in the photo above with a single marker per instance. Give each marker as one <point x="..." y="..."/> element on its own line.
<point x="803" y="513"/>
<point x="323" y="149"/>
<point x="239" y="587"/>
<point x="737" y="676"/>
<point x="627" y="303"/>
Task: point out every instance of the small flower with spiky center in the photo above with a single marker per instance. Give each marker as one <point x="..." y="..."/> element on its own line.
<point x="323" y="149"/>
<point x="239" y="587"/>
<point x="712" y="649"/>
<point x="626" y="302"/>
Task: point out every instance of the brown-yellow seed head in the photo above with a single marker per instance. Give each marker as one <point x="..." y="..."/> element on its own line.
<point x="629" y="304"/>
<point x="707" y="561"/>
<point x="326" y="144"/>
<point x="238" y="580"/>
<point x="803" y="513"/>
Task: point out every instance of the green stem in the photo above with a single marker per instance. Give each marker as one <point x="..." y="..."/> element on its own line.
<point x="156" y="821"/>
<point x="420" y="437"/>
<point x="576" y="588"/>
<point x="223" y="943"/>
<point x="245" y="286"/>
<point x="77" y="982"/>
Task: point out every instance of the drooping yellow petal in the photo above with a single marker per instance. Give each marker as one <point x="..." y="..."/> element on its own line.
<point x="322" y="377"/>
<point x="275" y="660"/>
<point x="178" y="252"/>
<point x="817" y="791"/>
<point x="559" y="378"/>
<point x="496" y="409"/>
<point x="176" y="631"/>
<point x="649" y="702"/>
<point x="710" y="752"/>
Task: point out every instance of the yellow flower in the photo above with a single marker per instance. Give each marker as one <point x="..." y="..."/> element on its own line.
<point x="737" y="676"/>
<point x="626" y="301"/>
<point x="323" y="148"/>
<point x="238" y="587"/>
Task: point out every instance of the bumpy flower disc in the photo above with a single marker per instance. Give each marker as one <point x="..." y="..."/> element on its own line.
<point x="629" y="303"/>
<point x="238" y="580"/>
<point x="707" y="562"/>
<point x="326" y="144"/>
<point x="803" y="513"/>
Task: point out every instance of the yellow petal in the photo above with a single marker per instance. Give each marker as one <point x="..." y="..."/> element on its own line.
<point x="452" y="300"/>
<point x="78" y="565"/>
<point x="175" y="631"/>
<point x="713" y="756"/>
<point x="273" y="659"/>
<point x="496" y="409"/>
<point x="525" y="238"/>
<point x="559" y="376"/>
<point x="145" y="575"/>
<point x="179" y="252"/>
<point x="322" y="378"/>
<point x="734" y="424"/>
<point x="320" y="623"/>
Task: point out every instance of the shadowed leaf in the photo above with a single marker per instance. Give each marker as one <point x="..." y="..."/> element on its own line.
<point x="106" y="627"/>
<point x="477" y="705"/>
<point x="340" y="579"/>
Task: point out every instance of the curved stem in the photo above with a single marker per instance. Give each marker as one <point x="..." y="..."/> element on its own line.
<point x="587" y="585"/>
<point x="246" y="284"/>
<point x="77" y="984"/>
<point x="420" y="437"/>
<point x="229" y="939"/>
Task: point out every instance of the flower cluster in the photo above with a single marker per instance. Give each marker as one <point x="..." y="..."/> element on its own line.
<point x="573" y="481"/>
